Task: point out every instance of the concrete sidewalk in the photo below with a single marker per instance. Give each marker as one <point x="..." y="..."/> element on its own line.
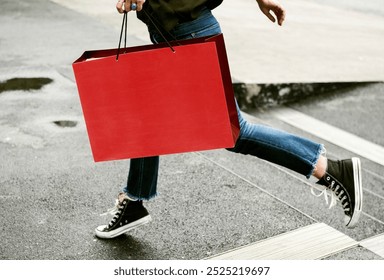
<point x="320" y="48"/>
<point x="318" y="43"/>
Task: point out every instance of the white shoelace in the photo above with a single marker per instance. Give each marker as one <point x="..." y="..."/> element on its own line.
<point x="112" y="211"/>
<point x="118" y="205"/>
<point x="326" y="192"/>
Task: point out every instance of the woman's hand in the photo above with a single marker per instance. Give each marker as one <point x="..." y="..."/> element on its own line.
<point x="125" y="5"/>
<point x="268" y="6"/>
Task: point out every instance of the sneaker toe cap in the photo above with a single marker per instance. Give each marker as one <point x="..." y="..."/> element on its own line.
<point x="101" y="228"/>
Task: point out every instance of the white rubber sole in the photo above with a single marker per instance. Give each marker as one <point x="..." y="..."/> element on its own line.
<point x="121" y="230"/>
<point x="358" y="193"/>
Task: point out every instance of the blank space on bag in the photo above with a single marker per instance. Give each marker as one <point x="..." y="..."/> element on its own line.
<point x="152" y="101"/>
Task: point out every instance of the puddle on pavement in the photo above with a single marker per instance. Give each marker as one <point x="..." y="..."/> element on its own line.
<point x="65" y="123"/>
<point x="25" y="84"/>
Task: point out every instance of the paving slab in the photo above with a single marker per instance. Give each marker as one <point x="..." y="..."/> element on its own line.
<point x="319" y="42"/>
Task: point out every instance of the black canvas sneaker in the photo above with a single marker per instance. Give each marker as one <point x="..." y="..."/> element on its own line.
<point x="128" y="215"/>
<point x="343" y="180"/>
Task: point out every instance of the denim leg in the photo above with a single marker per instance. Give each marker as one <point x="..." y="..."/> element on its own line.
<point x="142" y="178"/>
<point x="288" y="150"/>
<point x="296" y="153"/>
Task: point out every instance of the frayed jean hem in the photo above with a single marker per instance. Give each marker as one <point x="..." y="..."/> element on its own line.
<point x="133" y="197"/>
<point x="321" y="152"/>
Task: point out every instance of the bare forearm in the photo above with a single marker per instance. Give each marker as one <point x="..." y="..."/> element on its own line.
<point x="268" y="6"/>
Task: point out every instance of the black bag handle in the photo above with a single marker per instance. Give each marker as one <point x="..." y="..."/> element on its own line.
<point x="158" y="30"/>
<point x="124" y="27"/>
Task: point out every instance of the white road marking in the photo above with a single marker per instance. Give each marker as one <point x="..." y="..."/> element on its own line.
<point x="374" y="244"/>
<point x="315" y="241"/>
<point x="332" y="134"/>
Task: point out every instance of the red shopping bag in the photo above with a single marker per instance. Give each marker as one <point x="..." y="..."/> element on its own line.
<point x="155" y="101"/>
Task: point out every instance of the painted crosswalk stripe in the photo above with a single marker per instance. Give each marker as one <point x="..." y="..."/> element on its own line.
<point x="315" y="241"/>
<point x="374" y="244"/>
<point x="332" y="134"/>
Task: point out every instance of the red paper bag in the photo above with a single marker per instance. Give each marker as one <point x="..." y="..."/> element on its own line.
<point x="153" y="101"/>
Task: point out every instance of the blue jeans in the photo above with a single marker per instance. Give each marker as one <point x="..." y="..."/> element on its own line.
<point x="285" y="149"/>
